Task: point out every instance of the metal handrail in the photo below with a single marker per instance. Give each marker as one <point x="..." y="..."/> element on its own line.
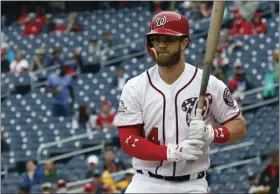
<point x="237" y="163"/>
<point x="258" y="104"/>
<point x="217" y="168"/>
<point x="89" y="134"/>
<point x="232" y="147"/>
<point x="4" y="171"/>
<point x="74" y="153"/>
<point x="259" y="89"/>
<point x="214" y="151"/>
<point x="122" y="58"/>
<point x="72" y="184"/>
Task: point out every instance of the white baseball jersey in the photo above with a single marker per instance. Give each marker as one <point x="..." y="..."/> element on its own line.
<point x="165" y="110"/>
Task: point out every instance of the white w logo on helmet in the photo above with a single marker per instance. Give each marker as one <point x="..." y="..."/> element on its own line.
<point x="161" y="21"/>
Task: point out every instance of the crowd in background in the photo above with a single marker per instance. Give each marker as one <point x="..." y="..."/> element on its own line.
<point x="247" y="21"/>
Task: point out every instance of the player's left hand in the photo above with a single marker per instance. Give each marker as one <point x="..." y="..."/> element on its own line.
<point x="199" y="130"/>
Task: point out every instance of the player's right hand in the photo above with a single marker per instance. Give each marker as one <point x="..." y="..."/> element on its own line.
<point x="187" y="150"/>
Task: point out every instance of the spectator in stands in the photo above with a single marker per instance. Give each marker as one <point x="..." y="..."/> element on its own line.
<point x="49" y="25"/>
<point x="23" y="16"/>
<point x="92" y="165"/>
<point x="56" y="58"/>
<point x="240" y="26"/>
<point x="107" y="41"/>
<point x="75" y="62"/>
<point x="107" y="189"/>
<point x="270" y="175"/>
<point x="110" y="167"/>
<point x="269" y="80"/>
<point x="123" y="184"/>
<point x="240" y="83"/>
<point x="33" y="175"/>
<point x="56" y="7"/>
<point x="157" y="6"/>
<point x="5" y="64"/>
<point x="119" y="167"/>
<point x="84" y="119"/>
<point x="61" y="87"/>
<point x="276" y="63"/>
<point x="229" y="44"/>
<point x="39" y="61"/>
<point x="237" y="66"/>
<point x="51" y="174"/>
<point x="61" y="186"/>
<point x="19" y="65"/>
<point x="9" y="53"/>
<point x="221" y="61"/>
<point x="220" y="75"/>
<point x="97" y="181"/>
<point x="32" y="27"/>
<point x="246" y="8"/>
<point x="89" y="188"/>
<point x="59" y="26"/>
<point x="47" y="188"/>
<point x="258" y="27"/>
<point x="94" y="49"/>
<point x="73" y="25"/>
<point x="205" y="9"/>
<point x="120" y="79"/>
<point x="106" y="117"/>
<point x="4" y="145"/>
<point x="40" y="16"/>
<point x="253" y="185"/>
<point x="109" y="155"/>
<point x="24" y="190"/>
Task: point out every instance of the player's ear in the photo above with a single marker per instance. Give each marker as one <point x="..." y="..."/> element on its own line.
<point x="185" y="42"/>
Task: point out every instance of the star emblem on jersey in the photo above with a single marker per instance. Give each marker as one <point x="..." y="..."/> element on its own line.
<point x="228" y="98"/>
<point x="189" y="106"/>
<point x="122" y="108"/>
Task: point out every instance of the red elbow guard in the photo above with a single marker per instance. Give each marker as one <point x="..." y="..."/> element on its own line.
<point x="139" y="147"/>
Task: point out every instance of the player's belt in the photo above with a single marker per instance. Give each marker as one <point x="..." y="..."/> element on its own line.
<point x="174" y="178"/>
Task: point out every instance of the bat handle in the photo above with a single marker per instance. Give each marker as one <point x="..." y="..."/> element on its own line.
<point x="199" y="113"/>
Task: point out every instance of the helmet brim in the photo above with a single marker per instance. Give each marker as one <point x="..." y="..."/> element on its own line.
<point x="164" y="31"/>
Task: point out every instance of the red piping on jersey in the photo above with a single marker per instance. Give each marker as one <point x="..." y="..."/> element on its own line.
<point x="140" y="125"/>
<point x="136" y="125"/>
<point x="163" y="114"/>
<point x="176" y="114"/>
<point x="230" y="119"/>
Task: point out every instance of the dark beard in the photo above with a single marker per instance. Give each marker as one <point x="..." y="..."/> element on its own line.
<point x="172" y="59"/>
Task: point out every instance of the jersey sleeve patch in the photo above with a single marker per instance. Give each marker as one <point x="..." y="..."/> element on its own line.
<point x="228" y="97"/>
<point x="122" y="108"/>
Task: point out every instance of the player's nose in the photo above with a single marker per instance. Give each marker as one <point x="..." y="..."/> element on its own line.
<point x="162" y="44"/>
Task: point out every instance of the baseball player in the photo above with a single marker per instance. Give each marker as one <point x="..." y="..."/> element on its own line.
<point x="156" y="116"/>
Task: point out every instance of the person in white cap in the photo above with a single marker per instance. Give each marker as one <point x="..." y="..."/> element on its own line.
<point x="19" y="65"/>
<point x="7" y="52"/>
<point x="92" y="165"/>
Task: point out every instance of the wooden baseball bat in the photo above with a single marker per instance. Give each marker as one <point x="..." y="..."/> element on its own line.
<point x="211" y="45"/>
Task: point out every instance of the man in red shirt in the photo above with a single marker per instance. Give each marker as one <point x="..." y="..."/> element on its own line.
<point x="59" y="26"/>
<point x="270" y="175"/>
<point x="32" y="27"/>
<point x="240" y="26"/>
<point x="106" y="117"/>
<point x="40" y="16"/>
<point x="257" y="26"/>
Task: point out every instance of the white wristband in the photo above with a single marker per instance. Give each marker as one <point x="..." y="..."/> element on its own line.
<point x="171" y="155"/>
<point x="211" y="134"/>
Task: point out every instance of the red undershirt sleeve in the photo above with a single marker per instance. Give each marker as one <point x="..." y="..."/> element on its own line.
<point x="136" y="146"/>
